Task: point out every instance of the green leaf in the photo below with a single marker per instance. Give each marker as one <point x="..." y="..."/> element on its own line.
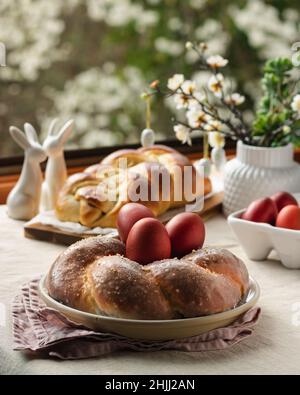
<point x="278" y="66"/>
<point x="274" y="107"/>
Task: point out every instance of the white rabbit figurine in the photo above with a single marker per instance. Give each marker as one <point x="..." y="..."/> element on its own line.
<point x="56" y="170"/>
<point x="24" y="199"/>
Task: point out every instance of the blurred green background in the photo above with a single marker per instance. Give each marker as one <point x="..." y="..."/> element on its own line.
<point x="90" y="60"/>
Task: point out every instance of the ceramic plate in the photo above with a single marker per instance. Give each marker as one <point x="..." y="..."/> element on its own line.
<point x="154" y="329"/>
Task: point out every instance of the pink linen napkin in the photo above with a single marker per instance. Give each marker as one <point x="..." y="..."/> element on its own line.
<point x="46" y="332"/>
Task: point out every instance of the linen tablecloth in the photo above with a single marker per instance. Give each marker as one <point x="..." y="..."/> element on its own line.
<point x="273" y="349"/>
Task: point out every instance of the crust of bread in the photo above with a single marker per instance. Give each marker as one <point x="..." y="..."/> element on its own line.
<point x="94" y="276"/>
<point x="85" y="197"/>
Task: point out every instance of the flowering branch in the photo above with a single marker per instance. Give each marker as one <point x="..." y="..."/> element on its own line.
<point x="277" y="120"/>
<point x="202" y="115"/>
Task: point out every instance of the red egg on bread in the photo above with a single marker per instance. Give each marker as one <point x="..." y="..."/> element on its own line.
<point x="148" y="241"/>
<point x="186" y="232"/>
<point x="129" y="215"/>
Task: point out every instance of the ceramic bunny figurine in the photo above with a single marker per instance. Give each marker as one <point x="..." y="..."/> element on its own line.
<point x="23" y="201"/>
<point x="56" y="170"/>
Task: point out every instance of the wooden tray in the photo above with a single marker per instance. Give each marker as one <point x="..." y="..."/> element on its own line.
<point x="52" y="234"/>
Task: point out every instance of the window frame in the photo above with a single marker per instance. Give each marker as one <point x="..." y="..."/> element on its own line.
<point x="78" y="159"/>
<point x="85" y="157"/>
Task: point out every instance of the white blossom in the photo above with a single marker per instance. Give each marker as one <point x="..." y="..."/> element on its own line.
<point x="175" y="82"/>
<point x="198" y="4"/>
<point x="270" y="33"/>
<point x="196" y="100"/>
<point x="181" y="101"/>
<point x="170" y="47"/>
<point x="183" y="134"/>
<point x="188" y="87"/>
<point x="216" y="139"/>
<point x="213" y="125"/>
<point x="97" y="100"/>
<point x="296" y="103"/>
<point x="31" y="31"/>
<point x="197" y="118"/>
<point x="212" y="33"/>
<point x="216" y="83"/>
<point x="201" y="77"/>
<point x="120" y="13"/>
<point x="175" y="24"/>
<point x="216" y="61"/>
<point x="235" y="99"/>
<point x="188" y="45"/>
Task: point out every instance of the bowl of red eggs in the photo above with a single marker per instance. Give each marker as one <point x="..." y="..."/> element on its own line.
<point x="270" y="223"/>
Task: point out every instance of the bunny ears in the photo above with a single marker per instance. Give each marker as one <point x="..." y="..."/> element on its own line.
<point x="64" y="132"/>
<point x="30" y="137"/>
<point x="24" y="140"/>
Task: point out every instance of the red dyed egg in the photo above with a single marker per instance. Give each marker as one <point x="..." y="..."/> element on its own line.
<point x="148" y="241"/>
<point x="129" y="215"/>
<point x="261" y="210"/>
<point x="187" y="233"/>
<point x="282" y="199"/>
<point x="289" y="217"/>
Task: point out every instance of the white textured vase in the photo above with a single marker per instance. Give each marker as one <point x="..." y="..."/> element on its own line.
<point x="257" y="172"/>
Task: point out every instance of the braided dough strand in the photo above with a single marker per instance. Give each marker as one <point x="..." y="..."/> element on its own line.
<point x="94" y="276"/>
<point x="94" y="197"/>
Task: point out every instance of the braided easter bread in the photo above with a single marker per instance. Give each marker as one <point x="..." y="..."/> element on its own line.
<point x="86" y="197"/>
<point x="94" y="276"/>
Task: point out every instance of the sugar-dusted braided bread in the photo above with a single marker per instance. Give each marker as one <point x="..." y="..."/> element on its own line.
<point x="86" y="197"/>
<point x="94" y="276"/>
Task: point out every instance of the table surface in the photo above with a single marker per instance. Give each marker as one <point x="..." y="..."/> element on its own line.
<point x="274" y="348"/>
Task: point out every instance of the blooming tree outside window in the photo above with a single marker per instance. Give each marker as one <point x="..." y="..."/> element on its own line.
<point x="91" y="59"/>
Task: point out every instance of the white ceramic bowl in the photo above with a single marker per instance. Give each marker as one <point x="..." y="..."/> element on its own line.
<point x="154" y="329"/>
<point x="259" y="239"/>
